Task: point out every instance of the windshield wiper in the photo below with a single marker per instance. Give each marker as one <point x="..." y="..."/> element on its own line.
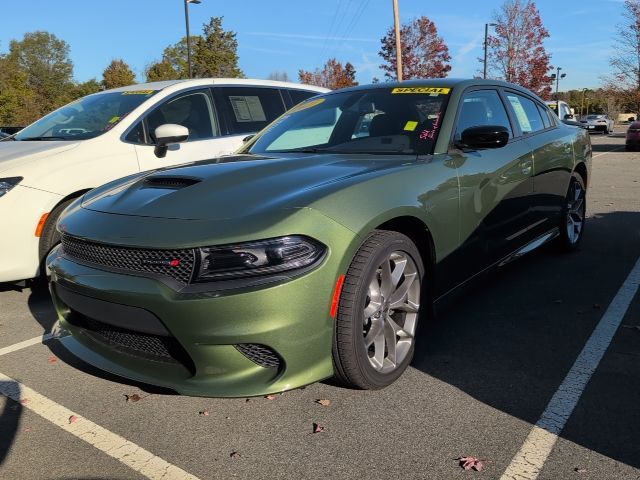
<point x="39" y="139"/>
<point x="302" y="150"/>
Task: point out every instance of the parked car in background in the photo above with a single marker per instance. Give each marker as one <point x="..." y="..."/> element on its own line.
<point x="318" y="248"/>
<point x="116" y="133"/>
<point x="561" y="109"/>
<point x="10" y="130"/>
<point x="598" y="123"/>
<point x="632" y="141"/>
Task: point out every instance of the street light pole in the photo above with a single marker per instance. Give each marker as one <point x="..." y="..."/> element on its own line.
<point x="486" y="39"/>
<point x="557" y="82"/>
<point x="396" y="22"/>
<point x="186" y="20"/>
<point x="582" y="103"/>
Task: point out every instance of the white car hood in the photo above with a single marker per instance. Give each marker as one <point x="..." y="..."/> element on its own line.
<point x="16" y="154"/>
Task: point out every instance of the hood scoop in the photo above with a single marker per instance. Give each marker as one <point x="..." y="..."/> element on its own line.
<point x="172" y="183"/>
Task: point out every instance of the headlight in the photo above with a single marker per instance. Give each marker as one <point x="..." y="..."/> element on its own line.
<point x="264" y="257"/>
<point x="7" y="184"/>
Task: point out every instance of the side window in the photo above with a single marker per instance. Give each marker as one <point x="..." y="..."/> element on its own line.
<point x="193" y="110"/>
<point x="526" y="112"/>
<point x="482" y="107"/>
<point x="298" y="96"/>
<point x="545" y="116"/>
<point x="250" y="109"/>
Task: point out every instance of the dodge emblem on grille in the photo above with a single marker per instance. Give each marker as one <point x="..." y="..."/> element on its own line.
<point x="160" y="262"/>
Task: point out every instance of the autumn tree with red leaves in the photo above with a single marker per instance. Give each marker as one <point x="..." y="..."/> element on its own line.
<point x="516" y="52"/>
<point x="333" y="75"/>
<point x="424" y="53"/>
<point x="624" y="83"/>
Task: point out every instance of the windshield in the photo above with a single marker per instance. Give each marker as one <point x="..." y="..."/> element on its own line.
<point x="554" y="107"/>
<point x="400" y="121"/>
<point x="87" y="117"/>
<point x="594" y="117"/>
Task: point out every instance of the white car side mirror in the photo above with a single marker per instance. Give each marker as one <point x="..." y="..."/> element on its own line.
<point x="168" y="134"/>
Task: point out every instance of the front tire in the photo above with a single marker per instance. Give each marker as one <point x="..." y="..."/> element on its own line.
<point x="573" y="215"/>
<point x="50" y="236"/>
<point x="378" y="312"/>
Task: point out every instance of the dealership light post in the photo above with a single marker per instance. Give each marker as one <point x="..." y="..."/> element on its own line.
<point x="582" y="103"/>
<point x="396" y="23"/>
<point x="186" y="20"/>
<point x="557" y="78"/>
<point x="486" y="39"/>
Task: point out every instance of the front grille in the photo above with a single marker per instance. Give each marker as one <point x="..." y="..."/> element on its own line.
<point x="149" y="347"/>
<point x="260" y="354"/>
<point x="177" y="264"/>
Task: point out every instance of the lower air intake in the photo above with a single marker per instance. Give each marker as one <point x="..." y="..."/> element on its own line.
<point x="260" y="354"/>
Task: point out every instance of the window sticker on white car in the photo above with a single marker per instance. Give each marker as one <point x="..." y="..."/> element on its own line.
<point x="247" y="108"/>
<point x="139" y="92"/>
<point x="523" y="120"/>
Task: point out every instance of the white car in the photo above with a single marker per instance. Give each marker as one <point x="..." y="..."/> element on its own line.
<point x="598" y="123"/>
<point x="112" y="134"/>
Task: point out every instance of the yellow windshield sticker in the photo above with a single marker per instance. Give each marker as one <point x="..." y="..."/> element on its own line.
<point x="138" y="92"/>
<point x="410" y="126"/>
<point x="305" y="105"/>
<point x="114" y="119"/>
<point x="430" y="90"/>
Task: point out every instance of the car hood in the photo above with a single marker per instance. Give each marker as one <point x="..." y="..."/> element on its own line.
<point x="237" y="186"/>
<point x="16" y="153"/>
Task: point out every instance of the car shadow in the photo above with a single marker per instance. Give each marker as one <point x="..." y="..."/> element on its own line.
<point x="606" y="147"/>
<point x="510" y="340"/>
<point x="9" y="418"/>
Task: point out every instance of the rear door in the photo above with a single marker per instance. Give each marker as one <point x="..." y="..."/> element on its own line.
<point x="495" y="184"/>
<point x="552" y="146"/>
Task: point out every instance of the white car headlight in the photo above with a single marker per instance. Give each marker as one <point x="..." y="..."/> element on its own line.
<point x="7" y="184"/>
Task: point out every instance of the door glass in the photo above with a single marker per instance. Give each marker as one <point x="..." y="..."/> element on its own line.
<point x="526" y="112"/>
<point x="545" y="116"/>
<point x="298" y="96"/>
<point x="193" y="110"/>
<point x="250" y="109"/>
<point x="482" y="107"/>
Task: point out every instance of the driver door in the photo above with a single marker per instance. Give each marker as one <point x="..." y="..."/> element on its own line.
<point x="193" y="109"/>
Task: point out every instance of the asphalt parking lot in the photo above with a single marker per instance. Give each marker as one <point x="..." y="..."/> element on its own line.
<point x="484" y="372"/>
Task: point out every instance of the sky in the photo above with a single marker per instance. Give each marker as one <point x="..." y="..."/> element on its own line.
<point x="287" y="35"/>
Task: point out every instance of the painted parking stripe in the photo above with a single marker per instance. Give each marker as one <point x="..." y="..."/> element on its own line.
<point x="27" y="343"/>
<point x="128" y="453"/>
<point x="528" y="462"/>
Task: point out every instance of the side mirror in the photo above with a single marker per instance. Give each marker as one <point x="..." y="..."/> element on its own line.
<point x="168" y="134"/>
<point x="247" y="138"/>
<point x="487" y="136"/>
<point x="568" y="117"/>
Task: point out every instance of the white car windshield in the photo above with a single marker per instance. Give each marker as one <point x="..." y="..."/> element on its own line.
<point x="85" y="118"/>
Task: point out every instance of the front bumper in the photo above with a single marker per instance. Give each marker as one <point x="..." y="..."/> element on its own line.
<point x="218" y="341"/>
<point x="595" y="128"/>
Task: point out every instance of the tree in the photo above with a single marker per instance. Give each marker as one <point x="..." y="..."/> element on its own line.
<point x="424" y="53"/>
<point x="333" y="75"/>
<point x="279" y="76"/>
<point x="118" y="74"/>
<point x="516" y="51"/>
<point x="86" y="88"/>
<point x="18" y="103"/>
<point x="42" y="60"/>
<point x="624" y="82"/>
<point x="162" y="70"/>
<point x="215" y="53"/>
<point x="176" y="55"/>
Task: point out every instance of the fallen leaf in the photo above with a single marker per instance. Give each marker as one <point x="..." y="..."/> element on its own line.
<point x="247" y="400"/>
<point x="24" y="401"/>
<point x="471" y="463"/>
<point x="317" y="428"/>
<point x="580" y="470"/>
<point x="324" y="402"/>
<point x="73" y="419"/>
<point x="203" y="413"/>
<point x="270" y="397"/>
<point x="52" y="359"/>
<point x="235" y="455"/>
<point x="27" y="429"/>
<point x="133" y="398"/>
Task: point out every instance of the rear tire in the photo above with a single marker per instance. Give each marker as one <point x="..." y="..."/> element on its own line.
<point x="50" y="236"/>
<point x="378" y="313"/>
<point x="573" y="215"/>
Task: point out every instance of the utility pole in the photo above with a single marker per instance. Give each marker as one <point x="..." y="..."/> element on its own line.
<point x="186" y="20"/>
<point x="396" y="21"/>
<point x="486" y="39"/>
<point x="582" y="103"/>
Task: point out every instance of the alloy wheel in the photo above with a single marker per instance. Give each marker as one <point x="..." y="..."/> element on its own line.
<point x="575" y="212"/>
<point x="391" y="311"/>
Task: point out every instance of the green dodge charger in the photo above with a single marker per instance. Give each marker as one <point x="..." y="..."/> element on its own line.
<point x="318" y="248"/>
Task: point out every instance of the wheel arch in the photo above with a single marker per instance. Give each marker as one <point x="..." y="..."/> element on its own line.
<point x="581" y="169"/>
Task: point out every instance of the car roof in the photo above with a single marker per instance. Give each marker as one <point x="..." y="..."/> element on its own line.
<point x="458" y="83"/>
<point x="203" y="82"/>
